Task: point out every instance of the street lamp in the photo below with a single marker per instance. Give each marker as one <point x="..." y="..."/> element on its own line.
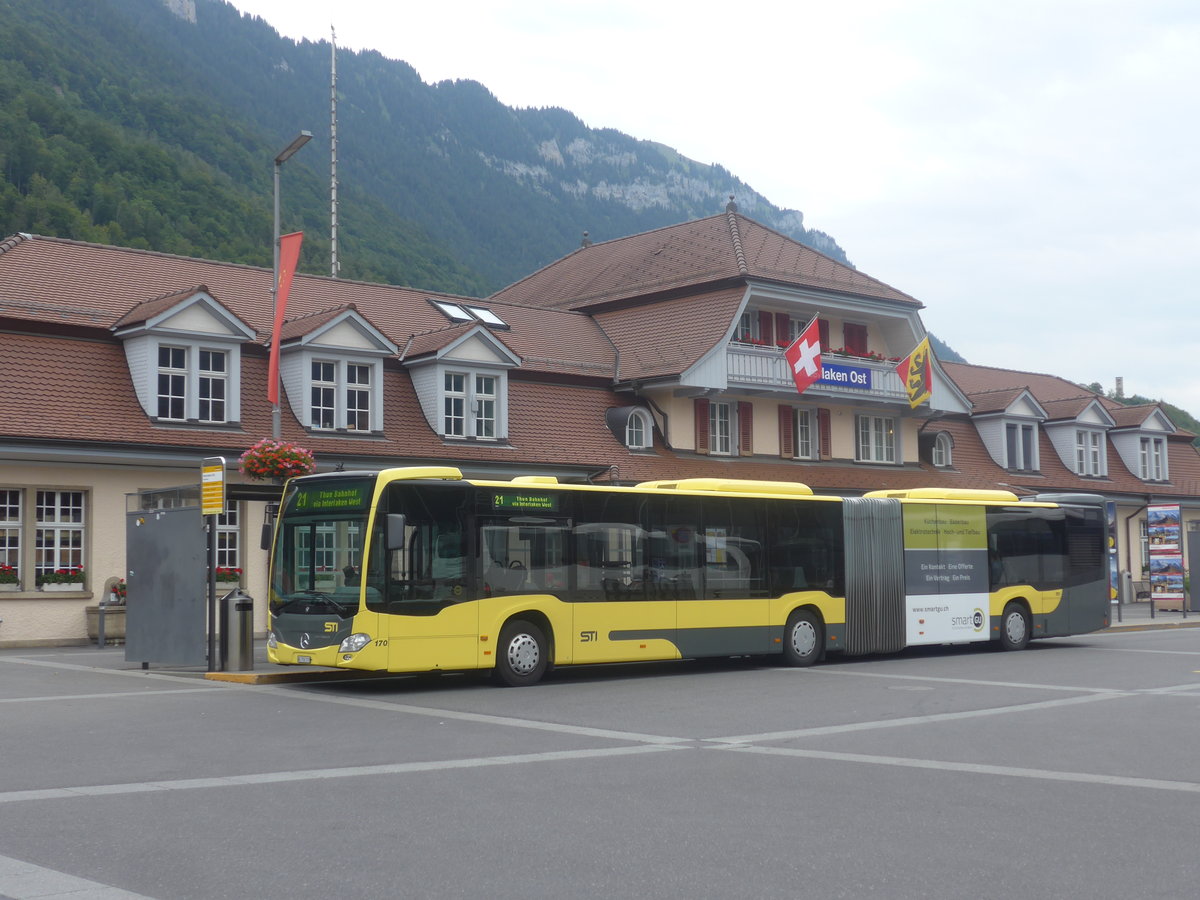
<point x="284" y="155"/>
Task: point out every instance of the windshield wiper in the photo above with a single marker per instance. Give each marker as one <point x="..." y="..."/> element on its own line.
<point x="316" y="597"/>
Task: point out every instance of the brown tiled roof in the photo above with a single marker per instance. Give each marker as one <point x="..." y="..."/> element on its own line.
<point x="57" y="281"/>
<point x="994" y="401"/>
<point x="1133" y="416"/>
<point x="665" y="338"/>
<point x="301" y="325"/>
<point x="1069" y="408"/>
<point x="700" y="252"/>
<point x="1046" y="388"/>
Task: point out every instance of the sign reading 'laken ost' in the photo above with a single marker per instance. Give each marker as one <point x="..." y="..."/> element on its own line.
<point x="856" y="377"/>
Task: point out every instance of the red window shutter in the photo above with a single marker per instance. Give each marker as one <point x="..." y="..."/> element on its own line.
<point x="766" y="326"/>
<point x="745" y="414"/>
<point x="823" y="436"/>
<point x="787" y="432"/>
<point x="781" y="328"/>
<point x="855" y="337"/>
<point x="823" y="330"/>
<point x="701" y="414"/>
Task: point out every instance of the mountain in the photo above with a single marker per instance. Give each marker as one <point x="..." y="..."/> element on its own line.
<point x="154" y="123"/>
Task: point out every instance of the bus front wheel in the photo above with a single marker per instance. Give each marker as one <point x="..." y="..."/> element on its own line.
<point x="522" y="655"/>
<point x="802" y="639"/>
<point x="1014" y="627"/>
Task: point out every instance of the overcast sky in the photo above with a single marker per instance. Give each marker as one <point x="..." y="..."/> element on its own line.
<point x="1026" y="169"/>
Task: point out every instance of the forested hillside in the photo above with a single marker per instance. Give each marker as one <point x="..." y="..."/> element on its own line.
<point x="123" y="122"/>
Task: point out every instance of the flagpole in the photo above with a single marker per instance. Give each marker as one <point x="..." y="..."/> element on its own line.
<point x="284" y="155"/>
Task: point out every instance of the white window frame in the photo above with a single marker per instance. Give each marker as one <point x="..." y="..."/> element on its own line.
<point x="191" y="389"/>
<point x="11" y="526"/>
<point x="1021" y="464"/>
<point x="358" y="394"/>
<point x="174" y="392"/>
<point x="1089" y="453"/>
<point x="454" y="404"/>
<point x="322" y="394"/>
<point x="943" y="451"/>
<point x="1152" y="458"/>
<point x="806" y="433"/>
<point x="211" y="381"/>
<point x="229" y="533"/>
<point x="639" y="430"/>
<point x="720" y="428"/>
<point x="339" y="383"/>
<point x="59" y="529"/>
<point x="484" y="405"/>
<point x="747" y="327"/>
<point x="875" y="439"/>
<point x="475" y="407"/>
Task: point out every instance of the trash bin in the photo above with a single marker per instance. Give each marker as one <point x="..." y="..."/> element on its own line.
<point x="238" y="638"/>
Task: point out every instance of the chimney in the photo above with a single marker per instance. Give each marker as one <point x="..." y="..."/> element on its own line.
<point x="1120" y="388"/>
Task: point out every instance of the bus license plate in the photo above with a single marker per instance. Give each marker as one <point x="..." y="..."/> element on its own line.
<point x="304" y="659"/>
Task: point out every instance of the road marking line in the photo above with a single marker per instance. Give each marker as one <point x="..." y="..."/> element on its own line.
<point x="481" y="718"/>
<point x="979" y="769"/>
<point x="822" y="730"/>
<point x="20" y="880"/>
<point x="971" y="681"/>
<point x="114" y="695"/>
<point x="321" y="774"/>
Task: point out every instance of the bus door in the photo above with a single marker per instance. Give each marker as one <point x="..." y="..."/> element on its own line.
<point x="623" y="599"/>
<point x="728" y="613"/>
<point x="425" y="587"/>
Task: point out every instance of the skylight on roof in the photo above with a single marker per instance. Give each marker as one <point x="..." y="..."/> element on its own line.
<point x="486" y="316"/>
<point x="463" y="313"/>
<point x="453" y="311"/>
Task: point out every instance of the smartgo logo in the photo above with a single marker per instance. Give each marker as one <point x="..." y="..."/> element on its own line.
<point x="973" y="621"/>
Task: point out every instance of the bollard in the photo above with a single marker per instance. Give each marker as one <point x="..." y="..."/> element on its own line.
<point x="100" y="641"/>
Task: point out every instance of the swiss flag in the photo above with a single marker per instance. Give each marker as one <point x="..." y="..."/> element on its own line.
<point x="803" y="356"/>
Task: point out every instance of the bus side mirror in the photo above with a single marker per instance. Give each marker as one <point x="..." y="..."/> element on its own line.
<point x="267" y="534"/>
<point x="395" y="531"/>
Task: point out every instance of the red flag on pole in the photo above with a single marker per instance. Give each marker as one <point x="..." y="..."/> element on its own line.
<point x="289" y="255"/>
<point x="916" y="374"/>
<point x="803" y="356"/>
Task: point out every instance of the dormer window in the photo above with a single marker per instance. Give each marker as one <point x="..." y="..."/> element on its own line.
<point x="341" y="394"/>
<point x="1020" y="444"/>
<point x="1153" y="459"/>
<point x="639" y="430"/>
<point x="187" y="394"/>
<point x="943" y="450"/>
<point x="1089" y="453"/>
<point x="470" y="405"/>
<point x="185" y="357"/>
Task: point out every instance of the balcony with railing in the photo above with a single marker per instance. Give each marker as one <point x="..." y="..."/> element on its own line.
<point x="763" y="368"/>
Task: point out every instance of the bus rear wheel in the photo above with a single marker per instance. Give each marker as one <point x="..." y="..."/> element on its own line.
<point x="1014" y="627"/>
<point x="803" y="637"/>
<point x="522" y="656"/>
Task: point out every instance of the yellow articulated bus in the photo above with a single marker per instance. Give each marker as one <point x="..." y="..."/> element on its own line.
<point x="418" y="569"/>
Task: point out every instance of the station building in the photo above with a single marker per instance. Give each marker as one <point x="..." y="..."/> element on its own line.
<point x="649" y="357"/>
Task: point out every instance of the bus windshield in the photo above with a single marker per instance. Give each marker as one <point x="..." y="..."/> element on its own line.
<point x="317" y="564"/>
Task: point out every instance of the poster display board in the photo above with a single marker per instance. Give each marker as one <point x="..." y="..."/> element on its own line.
<point x="945" y="573"/>
<point x="1164" y="529"/>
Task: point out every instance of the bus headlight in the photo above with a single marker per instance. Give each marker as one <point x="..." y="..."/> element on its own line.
<point x="272" y="641"/>
<point x="354" y="643"/>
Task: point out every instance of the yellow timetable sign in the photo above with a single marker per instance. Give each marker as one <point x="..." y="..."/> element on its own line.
<point x="212" y="486"/>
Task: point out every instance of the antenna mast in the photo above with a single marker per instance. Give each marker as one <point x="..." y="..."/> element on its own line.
<point x="334" y="265"/>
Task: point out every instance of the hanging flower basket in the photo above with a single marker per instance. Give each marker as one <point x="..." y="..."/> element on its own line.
<point x="272" y="459"/>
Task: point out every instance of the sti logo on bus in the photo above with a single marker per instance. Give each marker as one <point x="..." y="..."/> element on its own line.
<point x="588" y="637"/>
